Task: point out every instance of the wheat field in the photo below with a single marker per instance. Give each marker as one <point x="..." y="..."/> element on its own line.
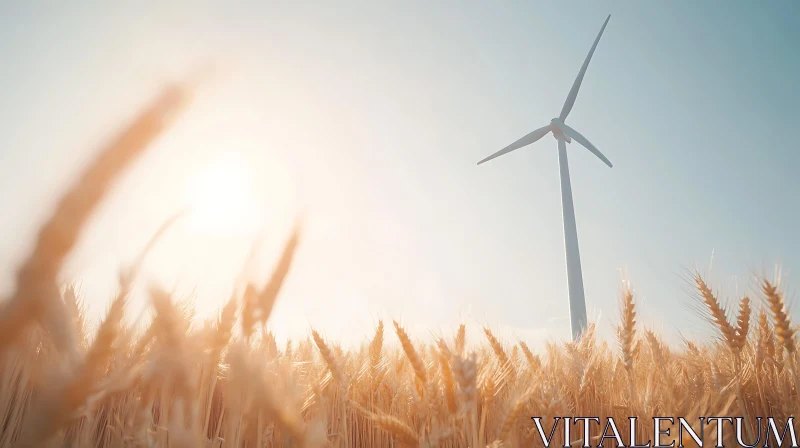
<point x="227" y="383"/>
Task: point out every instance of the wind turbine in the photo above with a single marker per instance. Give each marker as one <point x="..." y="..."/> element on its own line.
<point x="565" y="134"/>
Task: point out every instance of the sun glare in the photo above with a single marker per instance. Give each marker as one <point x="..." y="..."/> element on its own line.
<point x="222" y="200"/>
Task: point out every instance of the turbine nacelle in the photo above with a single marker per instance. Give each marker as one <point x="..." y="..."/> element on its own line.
<point x="558" y="131"/>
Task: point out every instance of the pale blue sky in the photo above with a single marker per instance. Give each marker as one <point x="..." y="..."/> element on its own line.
<point x="371" y="116"/>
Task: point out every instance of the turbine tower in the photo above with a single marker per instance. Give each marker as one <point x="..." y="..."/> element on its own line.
<point x="565" y="134"/>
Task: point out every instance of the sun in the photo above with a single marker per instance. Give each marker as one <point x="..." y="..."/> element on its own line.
<point x="222" y="199"/>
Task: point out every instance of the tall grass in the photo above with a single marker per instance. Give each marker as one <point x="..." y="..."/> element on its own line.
<point x="182" y="383"/>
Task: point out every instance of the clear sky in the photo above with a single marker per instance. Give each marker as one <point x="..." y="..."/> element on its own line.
<point x="370" y="118"/>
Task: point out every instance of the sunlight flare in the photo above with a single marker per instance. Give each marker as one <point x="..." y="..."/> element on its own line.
<point x="222" y="200"/>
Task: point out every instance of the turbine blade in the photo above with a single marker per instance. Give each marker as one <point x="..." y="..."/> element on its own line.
<point x="578" y="137"/>
<point x="573" y="93"/>
<point x="524" y="141"/>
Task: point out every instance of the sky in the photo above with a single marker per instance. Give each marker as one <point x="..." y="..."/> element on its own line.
<point x="368" y="118"/>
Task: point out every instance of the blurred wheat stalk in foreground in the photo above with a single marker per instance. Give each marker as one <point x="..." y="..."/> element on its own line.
<point x="181" y="384"/>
